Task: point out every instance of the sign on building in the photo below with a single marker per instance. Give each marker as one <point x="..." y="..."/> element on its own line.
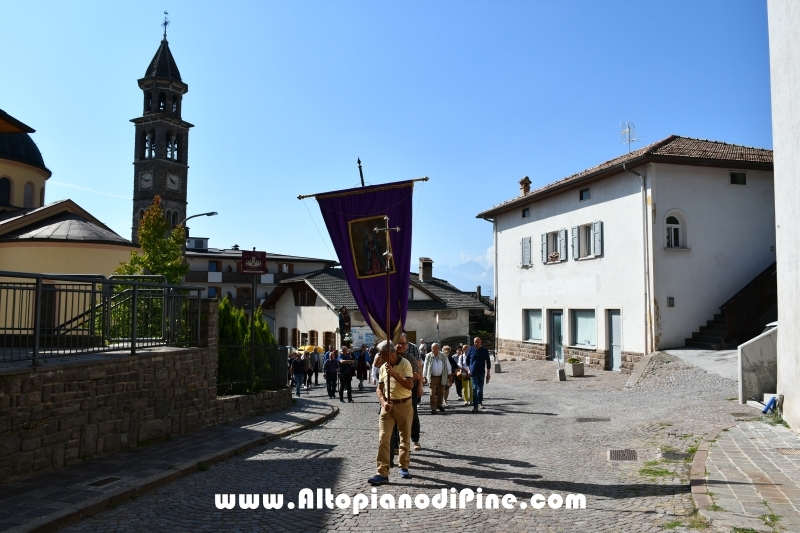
<point x="254" y="262"/>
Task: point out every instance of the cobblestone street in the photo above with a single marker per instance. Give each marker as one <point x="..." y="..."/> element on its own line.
<point x="537" y="435"/>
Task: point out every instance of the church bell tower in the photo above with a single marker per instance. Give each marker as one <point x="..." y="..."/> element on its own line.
<point x="160" y="162"/>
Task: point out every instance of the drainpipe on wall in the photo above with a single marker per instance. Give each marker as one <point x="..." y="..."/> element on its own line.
<point x="497" y="369"/>
<point x="646" y="259"/>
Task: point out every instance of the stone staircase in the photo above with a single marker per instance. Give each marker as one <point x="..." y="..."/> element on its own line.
<point x="711" y="336"/>
<point x="743" y="316"/>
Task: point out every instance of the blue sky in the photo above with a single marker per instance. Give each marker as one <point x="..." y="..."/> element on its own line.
<point x="286" y="95"/>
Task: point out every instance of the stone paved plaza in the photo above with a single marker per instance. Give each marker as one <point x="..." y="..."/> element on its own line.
<point x="530" y="440"/>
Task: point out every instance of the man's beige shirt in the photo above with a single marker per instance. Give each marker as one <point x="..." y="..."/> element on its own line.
<point x="397" y="391"/>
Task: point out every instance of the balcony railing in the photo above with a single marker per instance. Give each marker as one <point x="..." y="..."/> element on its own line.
<point x="55" y="315"/>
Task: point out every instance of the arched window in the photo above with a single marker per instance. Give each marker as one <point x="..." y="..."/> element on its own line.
<point x="162" y="102"/>
<point x="5" y="191"/>
<point x="153" y="151"/>
<point x="141" y="215"/>
<point x="177" y="148"/>
<point x="148" y="102"/>
<point x="170" y="146"/>
<point x="175" y="104"/>
<point x="27" y="200"/>
<point x="174" y="219"/>
<point x="168" y="216"/>
<point x="673" y="232"/>
<point x="145" y="146"/>
<point x="41" y="197"/>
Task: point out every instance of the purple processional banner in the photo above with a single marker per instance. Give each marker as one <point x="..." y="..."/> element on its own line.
<point x="352" y="215"/>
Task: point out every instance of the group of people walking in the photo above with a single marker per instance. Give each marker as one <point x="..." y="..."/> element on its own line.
<point x="400" y="372"/>
<point x="338" y="369"/>
<point x="400" y="377"/>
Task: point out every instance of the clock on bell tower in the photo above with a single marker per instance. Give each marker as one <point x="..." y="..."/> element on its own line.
<point x="160" y="162"/>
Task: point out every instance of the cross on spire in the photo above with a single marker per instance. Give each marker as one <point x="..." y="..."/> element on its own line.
<point x="165" y="24"/>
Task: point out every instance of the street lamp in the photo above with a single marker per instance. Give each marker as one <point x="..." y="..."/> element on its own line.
<point x="183" y="223"/>
<point x="209" y="214"/>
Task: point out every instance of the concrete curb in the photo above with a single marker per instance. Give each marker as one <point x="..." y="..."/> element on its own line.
<point x="70" y="515"/>
<point x="639" y="369"/>
<point x="697" y="474"/>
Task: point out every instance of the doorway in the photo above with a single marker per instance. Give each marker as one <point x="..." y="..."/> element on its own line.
<point x="556" y="335"/>
<point x="615" y="338"/>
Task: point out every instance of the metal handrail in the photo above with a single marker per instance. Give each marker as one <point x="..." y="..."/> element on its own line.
<point x="91" y="313"/>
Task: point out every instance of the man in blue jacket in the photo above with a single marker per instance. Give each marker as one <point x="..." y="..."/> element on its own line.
<point x="480" y="364"/>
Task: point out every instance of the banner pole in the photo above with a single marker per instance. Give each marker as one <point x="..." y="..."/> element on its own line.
<point x="304" y="196"/>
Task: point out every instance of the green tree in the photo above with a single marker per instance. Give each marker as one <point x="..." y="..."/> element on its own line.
<point x="162" y="248"/>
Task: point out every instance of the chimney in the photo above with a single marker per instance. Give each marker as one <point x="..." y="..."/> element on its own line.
<point x="425" y="269"/>
<point x="478" y="292"/>
<point x="524" y="186"/>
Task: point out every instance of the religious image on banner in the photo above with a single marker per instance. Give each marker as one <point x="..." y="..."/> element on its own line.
<point x="365" y="223"/>
<point x="368" y="247"/>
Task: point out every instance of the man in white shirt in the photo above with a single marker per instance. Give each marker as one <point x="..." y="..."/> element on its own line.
<point x="436" y="372"/>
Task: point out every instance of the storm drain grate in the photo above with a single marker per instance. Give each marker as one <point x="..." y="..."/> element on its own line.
<point x="104" y="481"/>
<point x="789" y="451"/>
<point x="622" y="455"/>
<point x="593" y="419"/>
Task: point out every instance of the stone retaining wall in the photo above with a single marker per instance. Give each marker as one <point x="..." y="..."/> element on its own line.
<point x="596" y="358"/>
<point x="61" y="414"/>
<point x="525" y="350"/>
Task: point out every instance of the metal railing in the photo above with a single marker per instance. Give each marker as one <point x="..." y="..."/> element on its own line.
<point x="53" y="315"/>
<point x="750" y="303"/>
<point x="245" y="369"/>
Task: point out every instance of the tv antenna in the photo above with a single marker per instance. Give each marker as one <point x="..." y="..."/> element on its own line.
<point x="627" y="134"/>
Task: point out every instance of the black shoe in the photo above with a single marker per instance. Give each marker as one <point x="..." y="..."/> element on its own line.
<point x="441" y="409"/>
<point x="433" y="412"/>
<point x="351" y="401"/>
<point x="475" y="410"/>
<point x="342" y="401"/>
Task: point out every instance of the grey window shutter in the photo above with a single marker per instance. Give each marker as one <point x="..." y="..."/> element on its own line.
<point x="544" y="247"/>
<point x="526" y="251"/>
<point x="576" y="253"/>
<point x="562" y="244"/>
<point x="597" y="230"/>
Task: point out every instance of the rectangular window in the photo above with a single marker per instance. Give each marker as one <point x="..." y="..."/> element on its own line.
<point x="585" y="194"/>
<point x="552" y="246"/>
<point x="526" y="212"/>
<point x="583" y="328"/>
<point x="304" y="298"/>
<point x="410" y="293"/>
<point x="533" y="324"/>
<point x="213" y="266"/>
<point x="738" y="178"/>
<point x="213" y="292"/>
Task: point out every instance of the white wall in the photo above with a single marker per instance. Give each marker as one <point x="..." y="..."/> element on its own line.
<point x="613" y="281"/>
<point x="784" y="51"/>
<point x="451" y="323"/>
<point x="318" y="317"/>
<point x="729" y="236"/>
<point x="321" y="318"/>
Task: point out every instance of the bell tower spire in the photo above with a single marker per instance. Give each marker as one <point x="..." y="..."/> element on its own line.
<point x="165" y="24"/>
<point x="161" y="144"/>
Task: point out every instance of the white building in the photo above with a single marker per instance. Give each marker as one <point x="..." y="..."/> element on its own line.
<point x="635" y="254"/>
<point x="306" y="308"/>
<point x="784" y="52"/>
<point x="219" y="271"/>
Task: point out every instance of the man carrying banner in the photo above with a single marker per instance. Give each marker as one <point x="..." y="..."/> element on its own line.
<point x="396" y="381"/>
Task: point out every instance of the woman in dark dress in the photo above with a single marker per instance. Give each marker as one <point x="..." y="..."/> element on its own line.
<point x="362" y="370"/>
